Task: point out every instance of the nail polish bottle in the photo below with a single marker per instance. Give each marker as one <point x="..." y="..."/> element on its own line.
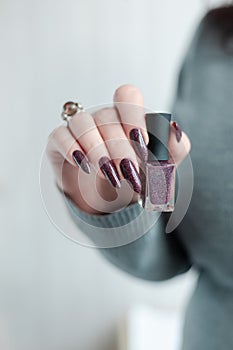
<point x="158" y="173"/>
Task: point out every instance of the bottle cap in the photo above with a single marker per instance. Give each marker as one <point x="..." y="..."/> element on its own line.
<point x="158" y="128"/>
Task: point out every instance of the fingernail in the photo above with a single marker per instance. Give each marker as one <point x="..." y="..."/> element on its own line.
<point x="130" y="173"/>
<point x="178" y="131"/>
<point x="110" y="172"/>
<point x="81" y="161"/>
<point x="139" y="144"/>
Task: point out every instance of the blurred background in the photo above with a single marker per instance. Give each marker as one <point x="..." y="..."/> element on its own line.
<point x="55" y="294"/>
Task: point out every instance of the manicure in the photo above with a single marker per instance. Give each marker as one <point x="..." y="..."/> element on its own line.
<point x="130" y="173"/>
<point x="81" y="161"/>
<point x="178" y="131"/>
<point x="110" y="172"/>
<point x="139" y="144"/>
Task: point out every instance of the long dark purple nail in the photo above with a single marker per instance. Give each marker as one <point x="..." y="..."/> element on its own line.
<point x="139" y="144"/>
<point x="178" y="131"/>
<point x="130" y="173"/>
<point x="81" y="160"/>
<point x="110" y="172"/>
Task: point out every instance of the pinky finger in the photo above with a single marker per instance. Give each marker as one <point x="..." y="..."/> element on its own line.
<point x="62" y="141"/>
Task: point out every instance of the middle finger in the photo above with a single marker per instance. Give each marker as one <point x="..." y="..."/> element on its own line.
<point x="118" y="145"/>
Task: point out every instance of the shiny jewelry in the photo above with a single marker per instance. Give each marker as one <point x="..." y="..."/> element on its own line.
<point x="70" y="108"/>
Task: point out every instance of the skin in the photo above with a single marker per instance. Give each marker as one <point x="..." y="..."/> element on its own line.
<point x="105" y="133"/>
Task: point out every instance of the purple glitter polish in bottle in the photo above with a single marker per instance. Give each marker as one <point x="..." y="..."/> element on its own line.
<point x="158" y="173"/>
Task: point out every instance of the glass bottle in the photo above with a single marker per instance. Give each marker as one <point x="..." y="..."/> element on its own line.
<point x="158" y="173"/>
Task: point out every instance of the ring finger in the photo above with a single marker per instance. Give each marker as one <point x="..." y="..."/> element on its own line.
<point x="83" y="128"/>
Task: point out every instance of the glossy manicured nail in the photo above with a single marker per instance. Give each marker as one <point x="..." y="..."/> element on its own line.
<point x="110" y="172"/>
<point x="130" y="173"/>
<point x="82" y="161"/>
<point x="139" y="144"/>
<point x="178" y="131"/>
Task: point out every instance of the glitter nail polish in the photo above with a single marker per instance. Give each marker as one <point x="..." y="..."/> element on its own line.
<point x="109" y="170"/>
<point x="130" y="174"/>
<point x="81" y="161"/>
<point x="178" y="131"/>
<point x="139" y="144"/>
<point x="158" y="173"/>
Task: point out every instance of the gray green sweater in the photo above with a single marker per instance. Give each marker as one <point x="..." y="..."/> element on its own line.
<point x="204" y="108"/>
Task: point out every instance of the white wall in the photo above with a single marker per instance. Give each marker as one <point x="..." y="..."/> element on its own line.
<point x="55" y="294"/>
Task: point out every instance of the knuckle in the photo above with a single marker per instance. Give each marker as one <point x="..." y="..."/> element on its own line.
<point x="73" y="121"/>
<point x="107" y="114"/>
<point x="81" y="123"/>
<point x="121" y="148"/>
<point x="95" y="144"/>
<point x="79" y="118"/>
<point x="66" y="142"/>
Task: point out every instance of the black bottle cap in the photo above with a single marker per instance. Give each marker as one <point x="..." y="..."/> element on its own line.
<point x="158" y="127"/>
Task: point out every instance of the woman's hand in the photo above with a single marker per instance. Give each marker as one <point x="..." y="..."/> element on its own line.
<point x="96" y="152"/>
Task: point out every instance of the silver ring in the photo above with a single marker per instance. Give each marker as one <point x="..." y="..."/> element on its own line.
<point x="71" y="108"/>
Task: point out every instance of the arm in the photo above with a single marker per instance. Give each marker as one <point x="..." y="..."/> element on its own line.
<point x="153" y="256"/>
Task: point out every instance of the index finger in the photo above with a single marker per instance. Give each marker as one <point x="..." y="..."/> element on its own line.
<point x="129" y="102"/>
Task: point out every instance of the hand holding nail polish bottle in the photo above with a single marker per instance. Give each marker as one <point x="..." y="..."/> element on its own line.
<point x="158" y="173"/>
